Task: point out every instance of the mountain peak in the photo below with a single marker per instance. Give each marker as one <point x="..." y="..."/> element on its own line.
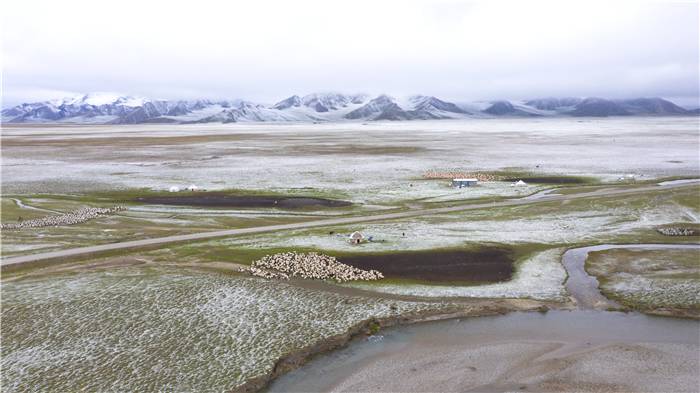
<point x="501" y="107"/>
<point x="553" y="103"/>
<point x="293" y="101"/>
<point x="324" y="102"/>
<point x="652" y="106"/>
<point x="428" y="103"/>
<point x="99" y="99"/>
<point x="599" y="107"/>
<point x="373" y="108"/>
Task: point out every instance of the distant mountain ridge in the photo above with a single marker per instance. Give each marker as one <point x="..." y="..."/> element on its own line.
<point x="101" y="108"/>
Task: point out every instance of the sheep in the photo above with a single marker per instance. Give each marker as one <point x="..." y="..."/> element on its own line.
<point x="71" y="218"/>
<point x="309" y="266"/>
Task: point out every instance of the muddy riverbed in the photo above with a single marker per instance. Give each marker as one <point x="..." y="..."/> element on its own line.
<point x="558" y="350"/>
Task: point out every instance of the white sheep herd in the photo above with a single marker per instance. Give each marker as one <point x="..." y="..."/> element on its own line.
<point x="309" y="266"/>
<point x="71" y="218"/>
<point x="677" y="231"/>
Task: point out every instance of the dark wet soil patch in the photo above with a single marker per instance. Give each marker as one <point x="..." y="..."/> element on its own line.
<point x="338" y="149"/>
<point x="214" y="200"/>
<point x="482" y="265"/>
<point x="551" y="179"/>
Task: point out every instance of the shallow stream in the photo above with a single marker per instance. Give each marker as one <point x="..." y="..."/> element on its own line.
<point x="577" y="330"/>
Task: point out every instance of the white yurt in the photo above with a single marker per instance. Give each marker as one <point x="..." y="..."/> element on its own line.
<point x="174" y="189"/>
<point x="356" y="237"/>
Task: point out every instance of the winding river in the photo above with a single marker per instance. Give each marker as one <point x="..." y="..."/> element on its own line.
<point x="584" y="287"/>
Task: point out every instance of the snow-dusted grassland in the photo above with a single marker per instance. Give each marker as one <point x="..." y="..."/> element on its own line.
<point x="163" y="329"/>
<point x="174" y="329"/>
<point x="377" y="166"/>
<point x="367" y="163"/>
<point x="649" y="279"/>
<point x="629" y="219"/>
<point x="604" y="219"/>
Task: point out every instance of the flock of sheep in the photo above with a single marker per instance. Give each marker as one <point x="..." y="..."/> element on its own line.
<point x="456" y="173"/>
<point x="309" y="266"/>
<point x="71" y="218"/>
<point x="677" y="231"/>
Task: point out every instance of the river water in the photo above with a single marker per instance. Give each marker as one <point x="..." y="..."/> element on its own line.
<point x="584" y="288"/>
<point x="576" y="330"/>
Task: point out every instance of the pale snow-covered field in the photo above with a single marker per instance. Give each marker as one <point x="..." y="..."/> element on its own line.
<point x="650" y="278"/>
<point x="375" y="162"/>
<point x="135" y="329"/>
<point x="457" y="229"/>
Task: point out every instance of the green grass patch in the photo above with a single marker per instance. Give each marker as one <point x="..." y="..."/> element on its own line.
<point x="130" y="195"/>
<point x="11" y="212"/>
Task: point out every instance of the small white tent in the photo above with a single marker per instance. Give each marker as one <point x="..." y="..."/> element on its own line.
<point x="519" y="183"/>
<point x="192" y="187"/>
<point x="174" y="189"/>
<point x="356" y="238"/>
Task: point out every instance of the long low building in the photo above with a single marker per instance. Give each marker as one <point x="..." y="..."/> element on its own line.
<point x="459" y="183"/>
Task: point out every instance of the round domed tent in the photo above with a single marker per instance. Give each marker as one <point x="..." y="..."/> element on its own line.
<point x="356" y="237"/>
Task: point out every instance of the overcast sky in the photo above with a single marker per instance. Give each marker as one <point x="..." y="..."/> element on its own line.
<point x="267" y="50"/>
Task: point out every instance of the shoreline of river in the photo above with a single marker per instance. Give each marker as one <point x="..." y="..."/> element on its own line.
<point x="519" y="351"/>
<point x="371" y="326"/>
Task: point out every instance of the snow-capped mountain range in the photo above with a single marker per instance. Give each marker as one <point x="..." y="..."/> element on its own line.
<point x="100" y="108"/>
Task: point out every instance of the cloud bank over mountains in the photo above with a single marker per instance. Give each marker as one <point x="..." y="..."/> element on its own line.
<point x="458" y="50"/>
